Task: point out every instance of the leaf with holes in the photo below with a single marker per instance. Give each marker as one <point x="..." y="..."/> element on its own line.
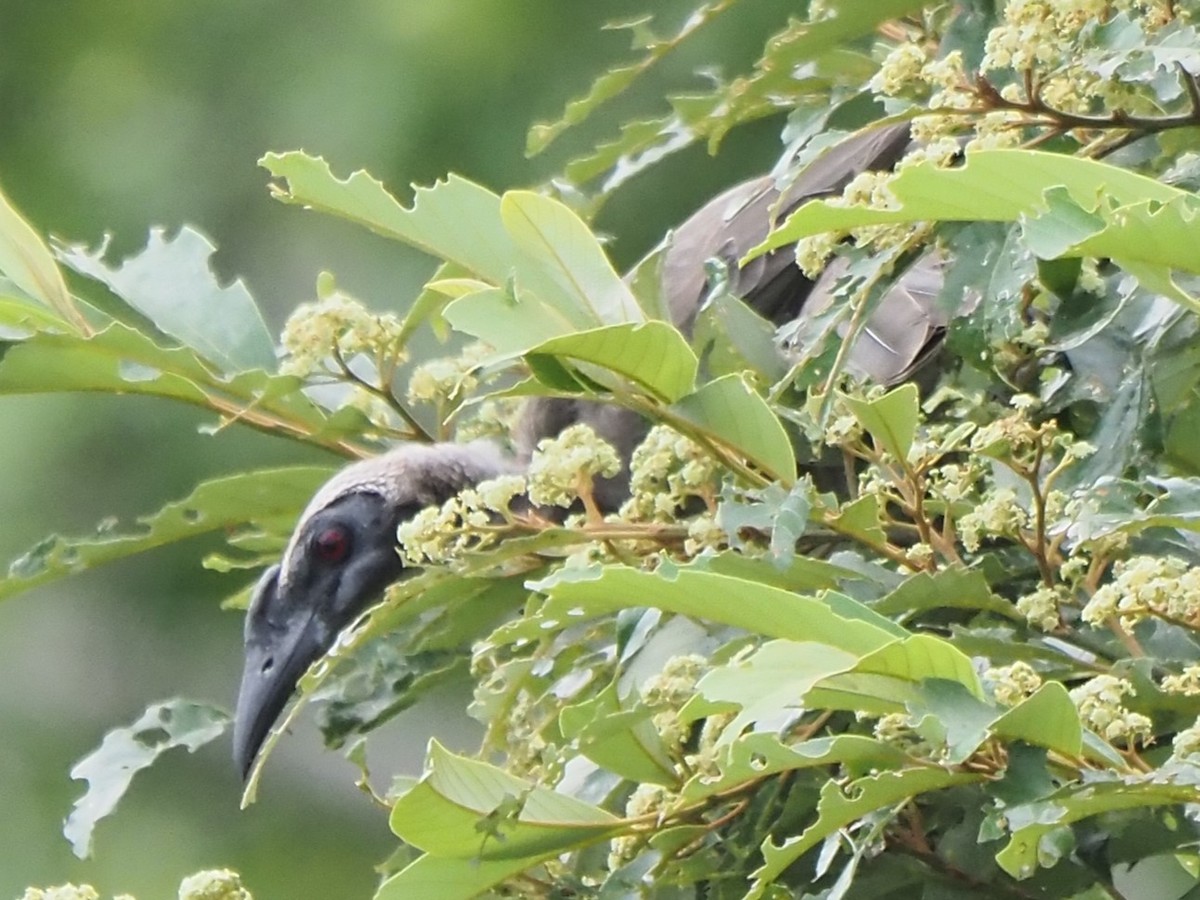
<point x="269" y="498"/>
<point x="124" y="752"/>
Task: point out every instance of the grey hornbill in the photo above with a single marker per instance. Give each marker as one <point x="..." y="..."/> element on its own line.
<point x="342" y="554"/>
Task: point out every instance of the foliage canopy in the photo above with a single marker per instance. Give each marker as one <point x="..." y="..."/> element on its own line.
<point x="976" y="672"/>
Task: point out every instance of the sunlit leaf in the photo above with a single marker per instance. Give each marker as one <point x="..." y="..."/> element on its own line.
<point x="110" y="768"/>
<point x="561" y="245"/>
<point x="27" y="262"/>
<point x="653" y="355"/>
<point x="470" y="810"/>
<point x="172" y="284"/>
<point x="718" y="598"/>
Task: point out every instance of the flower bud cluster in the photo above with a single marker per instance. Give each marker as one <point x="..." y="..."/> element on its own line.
<point x="1186" y="682"/>
<point x="1040" y="608"/>
<point x="665" y="471"/>
<point x="1145" y="586"/>
<point x="562" y="468"/>
<point x="62" y="892"/>
<point x="495" y="419"/>
<point x="336" y="324"/>
<point x="1101" y="710"/>
<point x="1187" y="743"/>
<point x="668" y="691"/>
<point x="999" y="513"/>
<point x="467" y="521"/>
<point x="1013" y="683"/>
<point x="900" y="730"/>
<point x="448" y="380"/>
<point x="215" y="884"/>
<point x="646" y="800"/>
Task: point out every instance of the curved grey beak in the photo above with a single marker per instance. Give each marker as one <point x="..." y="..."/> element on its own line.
<point x="282" y="640"/>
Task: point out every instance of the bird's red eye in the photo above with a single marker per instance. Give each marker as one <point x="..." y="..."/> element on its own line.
<point x="332" y="545"/>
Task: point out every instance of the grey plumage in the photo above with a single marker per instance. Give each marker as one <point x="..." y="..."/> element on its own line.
<point x="408" y="476"/>
<point x="342" y="553"/>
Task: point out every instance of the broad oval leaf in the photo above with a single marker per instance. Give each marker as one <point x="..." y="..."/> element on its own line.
<point x="467" y="809"/>
<point x="556" y="240"/>
<point x="733" y="414"/>
<point x="171" y="283"/>
<point x="758" y="608"/>
<point x="27" y="262"/>
<point x="651" y="354"/>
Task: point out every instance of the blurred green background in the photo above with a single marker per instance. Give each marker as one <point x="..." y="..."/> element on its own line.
<point x="122" y="115"/>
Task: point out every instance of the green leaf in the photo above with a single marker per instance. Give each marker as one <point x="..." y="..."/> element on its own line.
<point x="771" y="681"/>
<point x="171" y="283"/>
<point x="653" y="354"/>
<point x="1072" y="206"/>
<point x="28" y="263"/>
<point x="465" y="809"/>
<point x="615" y="81"/>
<point x="734" y="415"/>
<point x="269" y="497"/>
<point x="758" y="608"/>
<point x="1031" y="822"/>
<point x="891" y="420"/>
<point x="919" y="657"/>
<point x="121" y="360"/>
<point x="450" y="879"/>
<point x="993" y="185"/>
<point x="109" y="769"/>
<point x="456" y="219"/>
<point x="954" y="587"/>
<point x="1047" y="719"/>
<point x="752" y="757"/>
<point x="803" y="573"/>
<point x="734" y="338"/>
<point x="623" y="741"/>
<point x="839" y="806"/>
<point x="512" y="321"/>
<point x="557" y="241"/>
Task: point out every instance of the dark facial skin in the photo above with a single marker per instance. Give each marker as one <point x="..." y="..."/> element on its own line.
<point x="344" y="558"/>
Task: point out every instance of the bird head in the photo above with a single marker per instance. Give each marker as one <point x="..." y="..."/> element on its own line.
<point x="339" y="559"/>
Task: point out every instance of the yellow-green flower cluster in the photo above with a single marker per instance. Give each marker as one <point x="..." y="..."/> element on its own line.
<point x="1100" y="706"/>
<point x="468" y="521"/>
<point x="1012" y="684"/>
<point x="646" y="800"/>
<point x="1048" y="39"/>
<point x="900" y="71"/>
<point x="1145" y="586"/>
<point x="665" y="471"/>
<point x="668" y="691"/>
<point x="1186" y="682"/>
<point x="1187" y="742"/>
<point x="562" y="468"/>
<point x="704" y="534"/>
<point x="214" y="884"/>
<point x="999" y="513"/>
<point x="62" y="892"/>
<point x="492" y="419"/>
<point x="336" y="324"/>
<point x="447" y="380"/>
<point x="1040" y="608"/>
<point x="1039" y="32"/>
<point x="900" y="730"/>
